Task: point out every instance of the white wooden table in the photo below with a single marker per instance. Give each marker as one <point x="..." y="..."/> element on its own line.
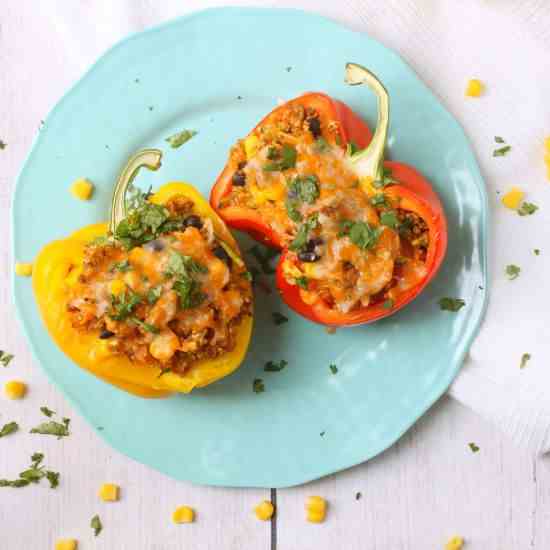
<point x="414" y="496"/>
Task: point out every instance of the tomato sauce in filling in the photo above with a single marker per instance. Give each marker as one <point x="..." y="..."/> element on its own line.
<point x="177" y="297"/>
<point x="348" y="245"/>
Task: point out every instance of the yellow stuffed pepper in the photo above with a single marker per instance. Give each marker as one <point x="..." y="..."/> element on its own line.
<point x="157" y="301"/>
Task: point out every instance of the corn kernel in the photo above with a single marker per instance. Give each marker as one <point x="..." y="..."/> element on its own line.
<point x="547" y="144"/>
<point x="251" y="146"/>
<point x="474" y="88"/>
<point x="316" y="509"/>
<point x="455" y="543"/>
<point x="82" y="189"/>
<point x="15" y="389"/>
<point x="513" y="198"/>
<point x="183" y="514"/>
<point x="66" y="544"/>
<point x="117" y="287"/>
<point x="108" y="492"/>
<point x="23" y="269"/>
<point x="264" y="510"/>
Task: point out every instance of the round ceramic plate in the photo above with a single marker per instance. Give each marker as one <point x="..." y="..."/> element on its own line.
<point x="220" y="71"/>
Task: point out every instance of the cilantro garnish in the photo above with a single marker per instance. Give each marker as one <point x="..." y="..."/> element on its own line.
<point x="498" y="139"/>
<point x="537" y="252"/>
<point x="502" y="151"/>
<point x="388" y="304"/>
<point x="512" y="271"/>
<point x="258" y="385"/>
<point x="153" y="294"/>
<point x="33" y="474"/>
<point x="527" y="209"/>
<point x="123" y="305"/>
<point x="321" y="145"/>
<point x="379" y="200"/>
<point x="53" y="428"/>
<point x="264" y="256"/>
<point x="305" y="188"/>
<point x="292" y="209"/>
<point x="451" y="304"/>
<point x="5" y="358"/>
<point x="123" y="266"/>
<point x="333" y="368"/>
<point x="272" y="366"/>
<point x="48" y="412"/>
<point x="189" y="292"/>
<point x="361" y="234"/>
<point x="302" y="282"/>
<point x="9" y="428"/>
<point x="389" y="219"/>
<point x="147" y="327"/>
<point x="524" y="359"/>
<point x="96" y="525"/>
<point x="279" y="318"/>
<point x="180" y="265"/>
<point x="2" y="145"/>
<point x="303" y="232"/>
<point x="178" y="139"/>
<point x="352" y="148"/>
<point x="285" y="158"/>
<point x="473" y="447"/>
<point x="387" y="179"/>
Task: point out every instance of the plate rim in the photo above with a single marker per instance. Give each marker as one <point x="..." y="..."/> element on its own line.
<point x="285" y="480"/>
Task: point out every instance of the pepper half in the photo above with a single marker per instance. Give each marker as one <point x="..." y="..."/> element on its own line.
<point x="406" y="191"/>
<point x="59" y="263"/>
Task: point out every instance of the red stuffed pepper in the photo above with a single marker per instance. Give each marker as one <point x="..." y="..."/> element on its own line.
<point x="360" y="237"/>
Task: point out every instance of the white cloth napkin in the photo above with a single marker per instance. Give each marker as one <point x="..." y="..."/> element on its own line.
<point x="505" y="43"/>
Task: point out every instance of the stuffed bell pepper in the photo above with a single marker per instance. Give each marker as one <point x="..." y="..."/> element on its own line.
<point x="360" y="237"/>
<point x="157" y="301"/>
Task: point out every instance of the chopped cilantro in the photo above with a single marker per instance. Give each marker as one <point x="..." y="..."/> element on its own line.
<point x="352" y="148"/>
<point x="333" y="368"/>
<point x="451" y="304"/>
<point x="498" y="139"/>
<point x="179" y="138"/>
<point x="388" y="304"/>
<point x="5" y="358"/>
<point x="272" y="366"/>
<point x="527" y="209"/>
<point x="304" y="188"/>
<point x="123" y="305"/>
<point x="321" y="145"/>
<point x="502" y="151"/>
<point x="247" y="275"/>
<point x="96" y="525"/>
<point x="360" y="233"/>
<point x="147" y="327"/>
<point x="473" y="447"/>
<point x="102" y="240"/>
<point x="279" y="318"/>
<point x="264" y="256"/>
<point x="512" y="271"/>
<point x="258" y="385"/>
<point x="302" y="282"/>
<point x="286" y="158"/>
<point x="180" y="265"/>
<point x="9" y="428"/>
<point x="53" y="478"/>
<point x="33" y="474"/>
<point x="53" y="428"/>
<point x="2" y="145"/>
<point x="387" y="179"/>
<point x="292" y="209"/>
<point x="153" y="294"/>
<point x="303" y="232"/>
<point x="322" y="434"/>
<point x="379" y="200"/>
<point x="48" y="412"/>
<point x="524" y="359"/>
<point x="537" y="252"/>
<point x="389" y="219"/>
<point x="288" y="69"/>
<point x="123" y="266"/>
<point x="189" y="292"/>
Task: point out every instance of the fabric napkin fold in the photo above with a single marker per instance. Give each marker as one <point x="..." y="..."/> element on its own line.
<point x="505" y="44"/>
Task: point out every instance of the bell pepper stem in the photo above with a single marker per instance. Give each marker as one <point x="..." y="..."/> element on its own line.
<point x="369" y="163"/>
<point x="150" y="158"/>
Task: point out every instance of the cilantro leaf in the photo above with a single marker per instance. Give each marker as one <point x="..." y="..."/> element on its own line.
<point x="387" y="179"/>
<point x="388" y="304"/>
<point x="5" y="358"/>
<point x="321" y="145"/>
<point x="498" y="139"/>
<point x="527" y="209"/>
<point x="536" y="252"/>
<point x="147" y="327"/>
<point x="153" y="294"/>
<point x="48" y="412"/>
<point x="303" y="232"/>
<point x="258" y="385"/>
<point x="512" y="271"/>
<point x="180" y="265"/>
<point x="123" y="266"/>
<point x="451" y="304"/>
<point x="9" y="428"/>
<point x="524" y="359"/>
<point x="272" y="366"/>
<point x="502" y="151"/>
<point x="52" y="427"/>
<point x="379" y="200"/>
<point x="333" y="368"/>
<point x="305" y="188"/>
<point x="360" y="234"/>
<point x="96" y="525"/>
<point x="34" y="474"/>
<point x="3" y="145"/>
<point x="473" y="447"/>
<point x="302" y="282"/>
<point x="123" y="305"/>
<point x="292" y="209"/>
<point x="178" y="139"/>
<point x="389" y="219"/>
<point x="189" y="292"/>
<point x="279" y="318"/>
<point x="285" y="159"/>
<point x="53" y="478"/>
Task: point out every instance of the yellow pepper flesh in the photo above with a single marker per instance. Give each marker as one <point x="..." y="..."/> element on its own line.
<point x="53" y="271"/>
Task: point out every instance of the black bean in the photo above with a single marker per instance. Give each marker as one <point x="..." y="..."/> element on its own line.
<point x="221" y="254"/>
<point x="308" y="257"/>
<point x="312" y="243"/>
<point x="156" y="245"/>
<point x="314" y="125"/>
<point x="193" y="221"/>
<point x="106" y="334"/>
<point x="239" y="178"/>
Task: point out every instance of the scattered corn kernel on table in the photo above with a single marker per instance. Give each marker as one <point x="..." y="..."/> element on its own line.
<point x="451" y="475"/>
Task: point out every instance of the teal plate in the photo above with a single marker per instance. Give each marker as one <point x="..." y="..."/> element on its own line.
<point x="219" y="71"/>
